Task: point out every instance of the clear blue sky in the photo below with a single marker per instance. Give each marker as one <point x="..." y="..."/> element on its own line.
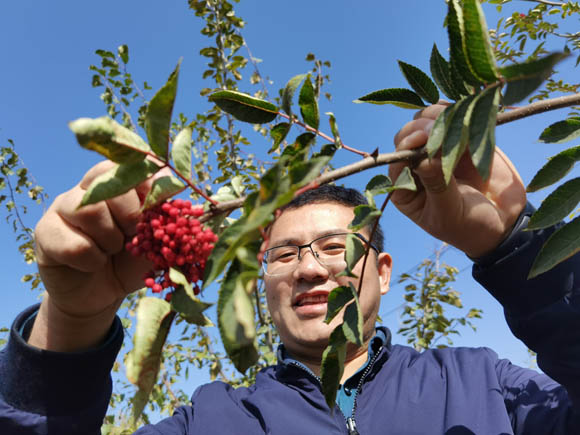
<point x="45" y="82"/>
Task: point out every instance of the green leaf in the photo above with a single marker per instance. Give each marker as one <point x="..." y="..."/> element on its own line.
<point x="456" y="32"/>
<point x="179" y="278"/>
<point x="158" y="115"/>
<point x="181" y="152"/>
<point x="456" y="137"/>
<point x="355" y="250"/>
<point x="441" y="72"/>
<point x="525" y="78"/>
<point x="245" y="107"/>
<point x="302" y="173"/>
<point x="562" y="131"/>
<point x="562" y="244"/>
<point x="477" y="46"/>
<point x="118" y="180"/>
<point x="308" y="104"/>
<point x="363" y="215"/>
<point x="352" y="325"/>
<point x="109" y="139"/>
<point x="405" y="180"/>
<point x="482" y="130"/>
<point x="559" y="204"/>
<point x="304" y="141"/>
<point x="278" y="133"/>
<point x="236" y="317"/>
<point x="420" y="82"/>
<point x="337" y="299"/>
<point x="556" y="168"/>
<point x="288" y="93"/>
<point x="332" y="367"/>
<point x="379" y="185"/>
<point x="404" y="98"/>
<point x="437" y="134"/>
<point x="154" y="319"/>
<point x="161" y="189"/>
<point x="190" y="309"/>
<point x="334" y="129"/>
<point x="123" y="51"/>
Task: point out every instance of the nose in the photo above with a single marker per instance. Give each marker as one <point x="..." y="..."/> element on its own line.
<point x="309" y="268"/>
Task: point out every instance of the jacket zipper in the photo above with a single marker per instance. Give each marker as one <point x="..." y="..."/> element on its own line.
<point x="350" y="421"/>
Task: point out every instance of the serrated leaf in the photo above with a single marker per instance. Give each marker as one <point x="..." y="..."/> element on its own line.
<point x="288" y="93"/>
<point x="456" y="33"/>
<point x="456" y="137"/>
<point x="245" y="107"/>
<point x="308" y="104"/>
<point x="337" y="299"/>
<point x="556" y="168"/>
<point x="363" y="215"/>
<point x="110" y="139"/>
<point x="562" y="244"/>
<point x="154" y="319"/>
<point x="334" y="129"/>
<point x="278" y="133"/>
<point x="438" y="131"/>
<point x="332" y="367"/>
<point x="404" y="98"/>
<point x="190" y="309"/>
<point x="482" y="130"/>
<point x="525" y="78"/>
<point x="557" y="206"/>
<point x="161" y="189"/>
<point x="158" y="115"/>
<point x="420" y="82"/>
<point x="118" y="180"/>
<point x="477" y="45"/>
<point x="181" y="152"/>
<point x="562" y="131"/>
<point x="405" y="180"/>
<point x="379" y="185"/>
<point x="441" y="72"/>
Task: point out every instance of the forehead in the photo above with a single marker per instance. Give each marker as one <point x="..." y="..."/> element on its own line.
<point x="303" y="224"/>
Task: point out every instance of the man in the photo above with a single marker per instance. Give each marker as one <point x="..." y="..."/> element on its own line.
<point x="385" y="389"/>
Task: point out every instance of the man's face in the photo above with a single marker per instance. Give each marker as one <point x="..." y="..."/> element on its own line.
<point x="297" y="300"/>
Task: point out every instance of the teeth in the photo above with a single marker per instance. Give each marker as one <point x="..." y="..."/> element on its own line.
<point x="315" y="299"/>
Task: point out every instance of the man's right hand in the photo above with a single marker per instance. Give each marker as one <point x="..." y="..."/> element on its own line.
<point x="84" y="267"/>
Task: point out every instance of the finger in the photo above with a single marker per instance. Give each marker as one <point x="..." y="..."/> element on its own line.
<point x="433" y="111"/>
<point x="418" y="128"/>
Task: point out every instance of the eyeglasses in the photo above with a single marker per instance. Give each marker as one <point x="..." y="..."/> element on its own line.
<point x="328" y="250"/>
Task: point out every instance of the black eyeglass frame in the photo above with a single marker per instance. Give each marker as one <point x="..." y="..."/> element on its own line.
<point x="309" y="245"/>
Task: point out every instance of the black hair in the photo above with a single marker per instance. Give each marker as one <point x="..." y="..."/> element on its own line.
<point x="339" y="195"/>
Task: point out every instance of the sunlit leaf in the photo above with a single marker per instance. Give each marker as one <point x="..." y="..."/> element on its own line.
<point x="420" y="82"/>
<point x="334" y="129"/>
<point x="363" y="215"/>
<point x="556" y="168"/>
<point x="562" y="131"/>
<point x="353" y="321"/>
<point x="302" y="173"/>
<point x="308" y="104"/>
<point x="439" y="130"/>
<point x="163" y="188"/>
<point x="333" y="366"/>
<point x="117" y="181"/>
<point x="181" y="152"/>
<point x="441" y="73"/>
<point x="190" y="309"/>
<point x="245" y="107"/>
<point x="456" y="32"/>
<point x="456" y="137"/>
<point x="110" y="139"/>
<point x="158" y="115"/>
<point x="278" y="134"/>
<point x="337" y="299"/>
<point x="525" y="78"/>
<point x="558" y="205"/>
<point x="404" y="98"/>
<point x="405" y="180"/>
<point x="482" y="130"/>
<point x="562" y="244"/>
<point x="379" y="185"/>
<point x="288" y="93"/>
<point x="123" y="51"/>
<point x="355" y="250"/>
<point x="477" y="45"/>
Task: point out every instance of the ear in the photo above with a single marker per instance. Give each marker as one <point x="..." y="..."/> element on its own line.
<point x="385" y="266"/>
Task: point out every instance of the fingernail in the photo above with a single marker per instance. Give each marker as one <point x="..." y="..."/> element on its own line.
<point x="429" y="126"/>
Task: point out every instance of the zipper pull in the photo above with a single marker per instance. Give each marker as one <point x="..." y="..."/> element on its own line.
<point x="351" y="426"/>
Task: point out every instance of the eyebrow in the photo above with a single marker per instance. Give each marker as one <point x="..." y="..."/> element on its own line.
<point x="294" y="241"/>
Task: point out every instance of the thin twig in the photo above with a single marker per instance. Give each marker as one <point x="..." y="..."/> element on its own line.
<point x="546" y="2"/>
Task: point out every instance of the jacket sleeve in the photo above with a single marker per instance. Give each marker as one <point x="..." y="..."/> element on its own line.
<point x="544" y="313"/>
<point x="43" y="392"/>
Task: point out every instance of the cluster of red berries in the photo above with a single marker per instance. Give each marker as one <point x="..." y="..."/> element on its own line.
<point x="170" y="235"/>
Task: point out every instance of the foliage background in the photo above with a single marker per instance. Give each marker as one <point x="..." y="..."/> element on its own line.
<point x="45" y="83"/>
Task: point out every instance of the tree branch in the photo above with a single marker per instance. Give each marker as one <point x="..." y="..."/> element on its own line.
<point x="538" y="107"/>
<point x="546" y="2"/>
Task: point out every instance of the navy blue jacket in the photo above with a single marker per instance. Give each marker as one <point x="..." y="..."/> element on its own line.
<point x="456" y="391"/>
